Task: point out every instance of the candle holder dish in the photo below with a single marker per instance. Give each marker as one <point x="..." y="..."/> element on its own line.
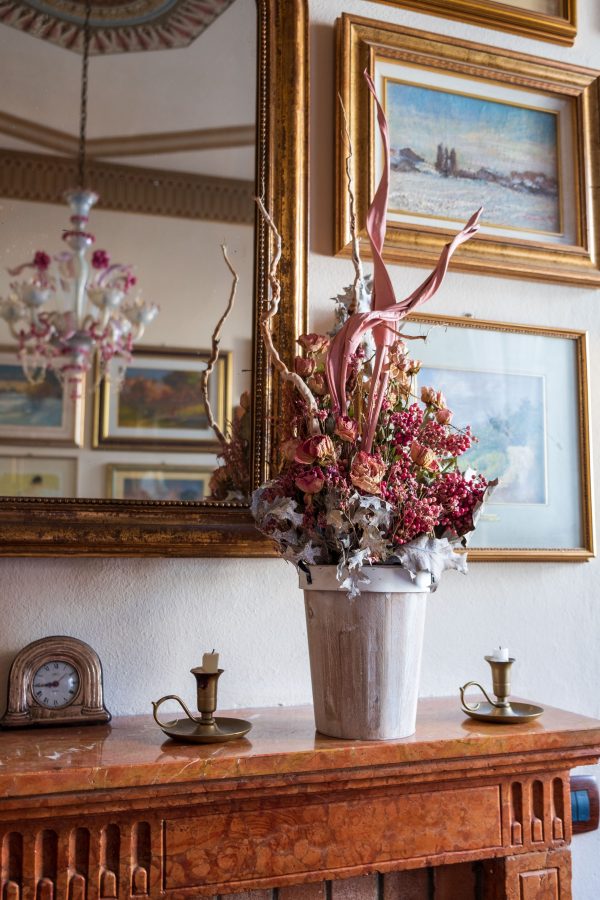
<point x="500" y="711"/>
<point x="207" y="728"/>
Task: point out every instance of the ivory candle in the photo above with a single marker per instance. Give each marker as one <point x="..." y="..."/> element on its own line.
<point x="500" y="654"/>
<point x="210" y="662"/>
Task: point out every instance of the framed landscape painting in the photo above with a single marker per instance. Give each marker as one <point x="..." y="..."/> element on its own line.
<point x="470" y="127"/>
<point x="524" y="391"/>
<point x="38" y="476"/>
<point x="546" y="20"/>
<point x="30" y="413"/>
<point x="158" y="403"/>
<point x="164" y="482"/>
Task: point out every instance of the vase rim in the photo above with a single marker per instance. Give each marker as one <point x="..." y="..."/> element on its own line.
<point x="382" y="579"/>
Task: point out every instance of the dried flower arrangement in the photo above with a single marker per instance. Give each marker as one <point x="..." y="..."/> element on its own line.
<point x="370" y="471"/>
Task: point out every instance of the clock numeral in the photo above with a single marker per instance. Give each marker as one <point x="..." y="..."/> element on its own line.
<point x="46" y="700"/>
<point x="56" y="665"/>
<point x="38" y="693"/>
<point x="71" y="692"/>
<point x="47" y="668"/>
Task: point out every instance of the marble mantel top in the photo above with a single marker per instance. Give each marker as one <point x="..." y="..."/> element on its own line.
<point x="133" y="752"/>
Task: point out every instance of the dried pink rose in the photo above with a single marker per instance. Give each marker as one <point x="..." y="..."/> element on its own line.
<point x="304" y="366"/>
<point x="444" y="416"/>
<point x="319" y="448"/>
<point x="314" y="343"/>
<point x="366" y="472"/>
<point x="346" y="428"/>
<point x="423" y="456"/>
<point x="432" y="397"/>
<point x="310" y="482"/>
<point x="317" y="384"/>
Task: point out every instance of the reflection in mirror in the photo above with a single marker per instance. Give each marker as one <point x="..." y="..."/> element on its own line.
<point x="171" y="152"/>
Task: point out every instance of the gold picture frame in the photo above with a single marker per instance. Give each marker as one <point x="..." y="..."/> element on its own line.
<point x="539" y="448"/>
<point x="566" y="246"/>
<point x="158" y="424"/>
<point x="559" y="28"/>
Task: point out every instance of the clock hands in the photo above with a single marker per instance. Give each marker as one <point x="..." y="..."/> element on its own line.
<point x="54" y="684"/>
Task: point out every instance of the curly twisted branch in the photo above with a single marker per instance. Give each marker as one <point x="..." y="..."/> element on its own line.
<point x="215" y="342"/>
<point x="358" y="286"/>
<point x="271" y="312"/>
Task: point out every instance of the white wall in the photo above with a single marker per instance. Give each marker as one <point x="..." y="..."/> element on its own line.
<point x="150" y="620"/>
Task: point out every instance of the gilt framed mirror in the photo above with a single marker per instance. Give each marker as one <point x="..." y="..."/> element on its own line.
<point x="194" y="108"/>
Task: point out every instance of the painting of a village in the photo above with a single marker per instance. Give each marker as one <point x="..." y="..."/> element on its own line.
<point x="452" y="153"/>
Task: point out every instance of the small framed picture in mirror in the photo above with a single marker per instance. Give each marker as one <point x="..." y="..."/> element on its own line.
<point x="163" y="482"/>
<point x="37" y="410"/>
<point x="38" y="476"/>
<point x="158" y="403"/>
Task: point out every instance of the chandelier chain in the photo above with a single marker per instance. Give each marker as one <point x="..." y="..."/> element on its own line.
<point x="81" y="157"/>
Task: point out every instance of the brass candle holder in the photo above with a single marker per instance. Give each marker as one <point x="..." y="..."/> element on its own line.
<point x="500" y="711"/>
<point x="206" y="728"/>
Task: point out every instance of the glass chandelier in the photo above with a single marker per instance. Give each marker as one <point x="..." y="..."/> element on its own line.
<point x="69" y="310"/>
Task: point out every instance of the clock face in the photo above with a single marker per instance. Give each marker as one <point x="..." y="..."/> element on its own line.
<point x="55" y="684"/>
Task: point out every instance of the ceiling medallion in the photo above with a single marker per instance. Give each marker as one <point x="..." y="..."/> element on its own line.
<point x="117" y="26"/>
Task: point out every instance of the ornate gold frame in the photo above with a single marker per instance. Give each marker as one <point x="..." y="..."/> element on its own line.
<point x="491" y="14"/>
<point x="572" y="554"/>
<point x="36" y="527"/>
<point x="362" y="42"/>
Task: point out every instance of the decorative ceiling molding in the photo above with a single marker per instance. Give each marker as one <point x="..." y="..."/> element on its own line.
<point x="129" y="145"/>
<point x="157" y="192"/>
<point x="174" y="141"/>
<point x="118" y="26"/>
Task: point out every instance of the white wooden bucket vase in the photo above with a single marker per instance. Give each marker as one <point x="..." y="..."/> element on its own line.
<point x="365" y="653"/>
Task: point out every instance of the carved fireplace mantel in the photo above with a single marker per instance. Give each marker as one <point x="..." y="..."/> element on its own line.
<point x="461" y="810"/>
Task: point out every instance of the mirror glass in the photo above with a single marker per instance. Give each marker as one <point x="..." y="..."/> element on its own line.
<point x="171" y="152"/>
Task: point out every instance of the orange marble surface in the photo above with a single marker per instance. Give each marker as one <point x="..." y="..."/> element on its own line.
<point x="133" y="751"/>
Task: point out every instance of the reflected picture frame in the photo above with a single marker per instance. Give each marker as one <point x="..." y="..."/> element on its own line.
<point x="545" y="20"/>
<point x="157" y="404"/>
<point x="166" y="483"/>
<point x="41" y="412"/>
<point x="49" y="477"/>
<point x="538" y="188"/>
<point x="524" y="389"/>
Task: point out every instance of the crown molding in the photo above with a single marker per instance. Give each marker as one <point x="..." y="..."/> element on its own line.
<point x="129" y="145"/>
<point x="159" y="192"/>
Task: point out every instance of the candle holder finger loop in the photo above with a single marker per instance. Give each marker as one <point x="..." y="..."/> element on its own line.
<point x="475" y="706"/>
<point x="158" y="703"/>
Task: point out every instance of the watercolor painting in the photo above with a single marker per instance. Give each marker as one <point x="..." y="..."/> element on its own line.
<point x="161" y="398"/>
<point x="451" y="153"/>
<point x="29" y="405"/>
<point x="507" y="413"/>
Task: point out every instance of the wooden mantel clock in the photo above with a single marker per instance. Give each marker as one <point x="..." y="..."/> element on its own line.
<point x="55" y="681"/>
